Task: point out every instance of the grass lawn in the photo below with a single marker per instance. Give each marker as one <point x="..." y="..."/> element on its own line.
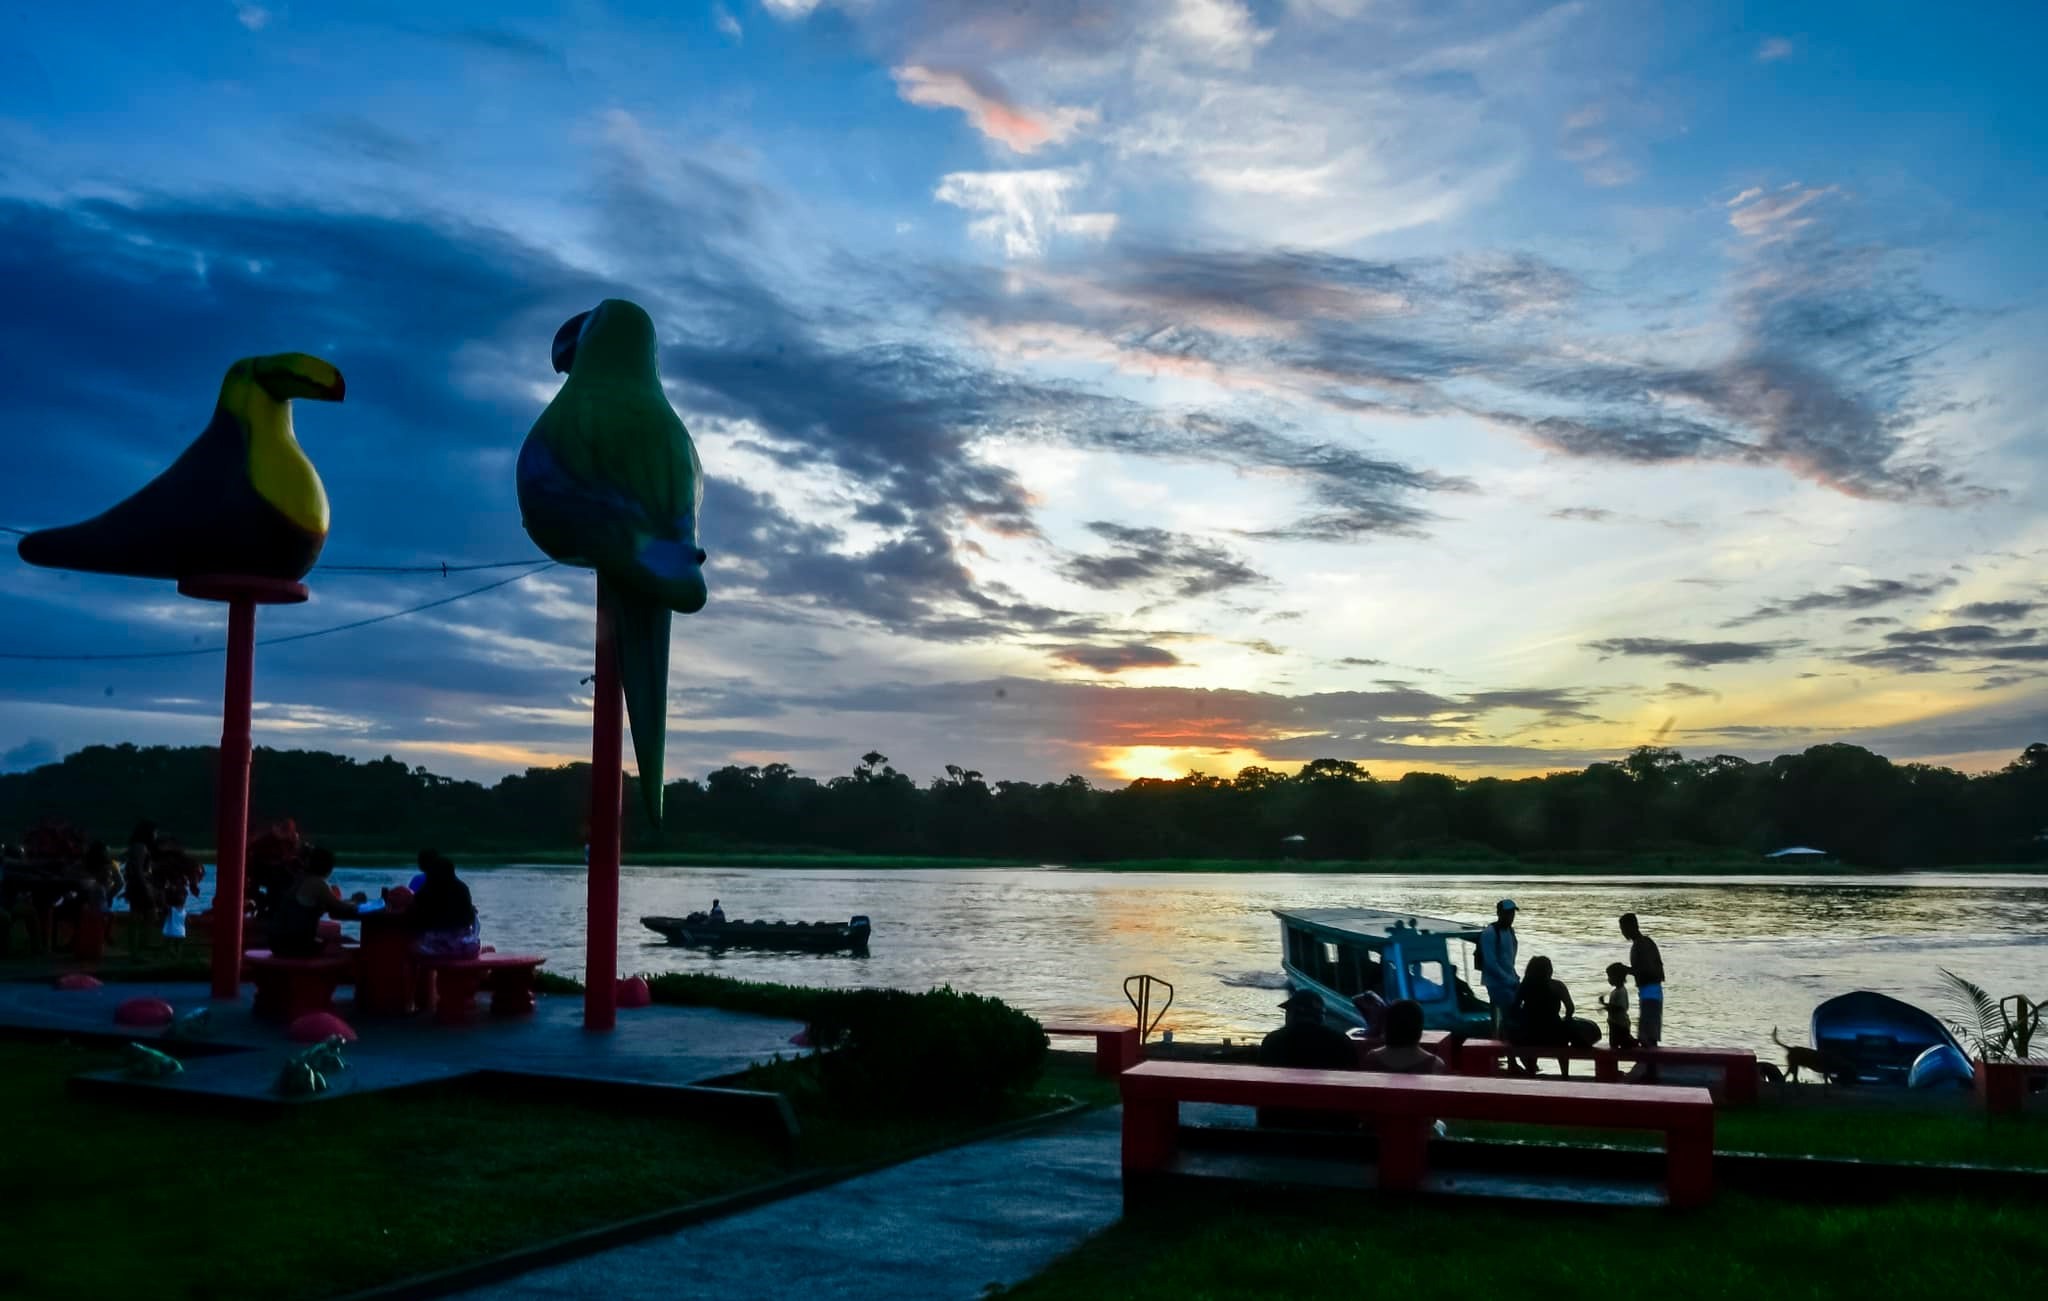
<point x="100" y="1199"/>
<point x="1871" y="1133"/>
<point x="1197" y="1249"/>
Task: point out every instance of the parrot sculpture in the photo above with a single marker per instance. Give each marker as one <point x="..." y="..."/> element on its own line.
<point x="609" y="480"/>
<point x="242" y="499"/>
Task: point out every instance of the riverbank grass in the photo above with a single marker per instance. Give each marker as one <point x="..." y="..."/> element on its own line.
<point x="1197" y="1248"/>
<point x="104" y="1199"/>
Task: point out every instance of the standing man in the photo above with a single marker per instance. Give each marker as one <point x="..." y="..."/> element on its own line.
<point x="1648" y="966"/>
<point x="1497" y="961"/>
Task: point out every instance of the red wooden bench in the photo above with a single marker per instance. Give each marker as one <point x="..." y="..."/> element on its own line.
<point x="288" y="988"/>
<point x="1738" y="1067"/>
<point x="2002" y="1087"/>
<point x="1484" y="1056"/>
<point x="1402" y="1109"/>
<point x="1441" y="1043"/>
<point x="1117" y="1047"/>
<point x="509" y="976"/>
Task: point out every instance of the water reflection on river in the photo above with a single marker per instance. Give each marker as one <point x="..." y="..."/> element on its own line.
<point x="1744" y="954"/>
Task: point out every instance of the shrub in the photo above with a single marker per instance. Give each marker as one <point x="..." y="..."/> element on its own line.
<point x="938" y="1050"/>
<point x="889" y="1050"/>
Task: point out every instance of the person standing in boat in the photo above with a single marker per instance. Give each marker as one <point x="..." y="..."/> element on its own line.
<point x="717" y="914"/>
<point x="1648" y="966"/>
<point x="1497" y="947"/>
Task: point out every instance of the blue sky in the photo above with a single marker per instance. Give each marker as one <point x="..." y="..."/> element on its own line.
<point x="1115" y="388"/>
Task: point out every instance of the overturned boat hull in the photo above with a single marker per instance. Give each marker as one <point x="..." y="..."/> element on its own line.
<point x="1877" y="1036"/>
<point x="698" y="931"/>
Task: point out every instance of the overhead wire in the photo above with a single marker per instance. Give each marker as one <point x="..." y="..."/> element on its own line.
<point x="537" y="567"/>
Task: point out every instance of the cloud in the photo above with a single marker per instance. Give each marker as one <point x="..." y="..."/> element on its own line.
<point x="1025" y="209"/>
<point x="1690" y="654"/>
<point x="1686" y="691"/>
<point x="789" y="10"/>
<point x="988" y="109"/>
<point x="1872" y="621"/>
<point x="1777" y="214"/>
<point x="1116" y="659"/>
<point x="1147" y="557"/>
<point x="1853" y="596"/>
<point x="1824" y="378"/>
<point x="1773" y="49"/>
<point x="1587" y="514"/>
<point x="1554" y="703"/>
<point x="254" y="17"/>
<point x="726" y="23"/>
<point x="1998" y="611"/>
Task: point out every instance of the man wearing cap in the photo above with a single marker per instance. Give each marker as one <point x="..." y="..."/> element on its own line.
<point x="1497" y="961"/>
<point x="1308" y="1043"/>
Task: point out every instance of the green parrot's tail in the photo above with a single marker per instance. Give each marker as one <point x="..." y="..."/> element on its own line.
<point x="640" y="630"/>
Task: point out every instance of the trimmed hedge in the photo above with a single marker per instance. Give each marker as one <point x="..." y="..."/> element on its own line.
<point x="887" y="1049"/>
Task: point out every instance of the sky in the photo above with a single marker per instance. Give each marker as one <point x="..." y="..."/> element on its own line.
<point x="1118" y="388"/>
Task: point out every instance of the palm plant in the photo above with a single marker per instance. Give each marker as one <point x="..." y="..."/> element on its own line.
<point x="1996" y="1029"/>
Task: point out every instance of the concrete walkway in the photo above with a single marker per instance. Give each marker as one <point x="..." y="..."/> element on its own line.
<point x="947" y="1225"/>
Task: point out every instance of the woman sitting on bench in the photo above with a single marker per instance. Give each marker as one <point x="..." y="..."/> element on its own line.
<point x="442" y="913"/>
<point x="293" y="926"/>
<point x="1543" y="1013"/>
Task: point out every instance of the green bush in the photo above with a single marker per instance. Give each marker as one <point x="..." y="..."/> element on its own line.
<point x="888" y="1050"/>
<point x="935" y="1051"/>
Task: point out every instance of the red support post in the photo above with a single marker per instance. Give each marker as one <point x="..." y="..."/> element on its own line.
<point x="231" y="799"/>
<point x="601" y="964"/>
<point x="242" y="593"/>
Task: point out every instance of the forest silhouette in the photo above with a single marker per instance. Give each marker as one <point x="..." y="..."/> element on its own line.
<point x="1652" y="805"/>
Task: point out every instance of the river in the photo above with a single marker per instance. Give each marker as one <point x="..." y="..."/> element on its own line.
<point x="1744" y="954"/>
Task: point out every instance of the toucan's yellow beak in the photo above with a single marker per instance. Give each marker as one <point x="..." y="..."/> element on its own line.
<point x="288" y="375"/>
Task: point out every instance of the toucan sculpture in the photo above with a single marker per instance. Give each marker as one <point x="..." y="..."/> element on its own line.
<point x="241" y="500"/>
<point x="609" y="480"/>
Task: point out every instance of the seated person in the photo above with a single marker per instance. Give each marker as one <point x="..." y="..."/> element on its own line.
<point x="1543" y="1013"/>
<point x="717" y="914"/>
<point x="1403" y="1052"/>
<point x="293" y="924"/>
<point x="1373" y="1010"/>
<point x="1305" y="1042"/>
<point x="441" y="913"/>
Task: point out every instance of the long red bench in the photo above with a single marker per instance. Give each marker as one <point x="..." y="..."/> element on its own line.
<point x="509" y="977"/>
<point x="1737" y="1066"/>
<point x="1117" y="1047"/>
<point x="2002" y="1087"/>
<point x="288" y="988"/>
<point x="1441" y="1044"/>
<point x="1402" y="1109"/>
<point x="1482" y="1057"/>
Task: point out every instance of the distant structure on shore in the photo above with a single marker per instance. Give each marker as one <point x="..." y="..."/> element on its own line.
<point x="1800" y="854"/>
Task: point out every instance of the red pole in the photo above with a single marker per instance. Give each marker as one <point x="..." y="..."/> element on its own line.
<point x="231" y="799"/>
<point x="601" y="964"/>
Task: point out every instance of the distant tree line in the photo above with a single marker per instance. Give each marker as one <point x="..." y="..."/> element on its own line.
<point x="1846" y="800"/>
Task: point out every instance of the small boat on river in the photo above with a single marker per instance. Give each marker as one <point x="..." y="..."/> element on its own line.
<point x="1877" y="1036"/>
<point x="1341" y="953"/>
<point x="701" y="931"/>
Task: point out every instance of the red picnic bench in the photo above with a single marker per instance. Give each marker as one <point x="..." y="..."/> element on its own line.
<point x="288" y="988"/>
<point x="1440" y="1043"/>
<point x="1482" y="1057"/>
<point x="509" y="977"/>
<point x="1402" y="1109"/>
<point x="2002" y="1087"/>
<point x="1117" y="1047"/>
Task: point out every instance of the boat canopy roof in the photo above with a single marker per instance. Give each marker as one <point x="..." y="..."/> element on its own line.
<point x="1373" y="925"/>
<point x="1798" y="851"/>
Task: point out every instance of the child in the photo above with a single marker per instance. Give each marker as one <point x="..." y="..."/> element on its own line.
<point x="1615" y="1000"/>
<point x="174" y="916"/>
